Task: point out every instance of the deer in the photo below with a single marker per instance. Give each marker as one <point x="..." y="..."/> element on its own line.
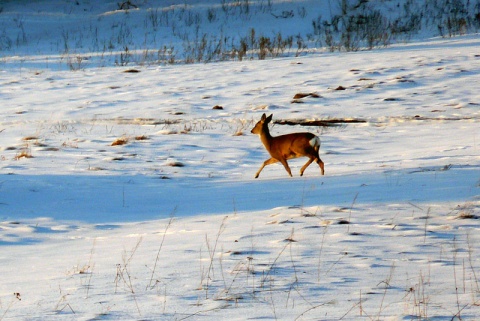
<point x="288" y="146"/>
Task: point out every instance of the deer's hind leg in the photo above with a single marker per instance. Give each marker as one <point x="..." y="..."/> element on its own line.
<point x="304" y="167"/>
<point x="321" y="164"/>
<point x="318" y="161"/>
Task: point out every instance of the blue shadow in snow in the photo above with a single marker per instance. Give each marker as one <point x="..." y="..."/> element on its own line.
<point x="110" y="199"/>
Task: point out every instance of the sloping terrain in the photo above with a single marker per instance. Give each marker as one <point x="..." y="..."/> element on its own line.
<point x="127" y="192"/>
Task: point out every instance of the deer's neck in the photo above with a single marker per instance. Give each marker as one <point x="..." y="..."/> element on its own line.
<point x="266" y="138"/>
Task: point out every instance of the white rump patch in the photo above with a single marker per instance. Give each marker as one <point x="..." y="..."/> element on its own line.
<point x="315" y="142"/>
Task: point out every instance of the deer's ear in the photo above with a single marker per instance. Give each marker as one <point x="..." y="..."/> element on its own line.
<point x="264" y="117"/>
<point x="269" y="118"/>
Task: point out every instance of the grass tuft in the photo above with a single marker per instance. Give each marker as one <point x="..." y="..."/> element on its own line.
<point x="24" y="153"/>
<point x="120" y="141"/>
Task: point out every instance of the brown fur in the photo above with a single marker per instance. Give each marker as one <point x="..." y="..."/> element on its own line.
<point x="288" y="146"/>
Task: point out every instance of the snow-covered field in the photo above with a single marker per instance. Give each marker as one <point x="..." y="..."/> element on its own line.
<point x="170" y="224"/>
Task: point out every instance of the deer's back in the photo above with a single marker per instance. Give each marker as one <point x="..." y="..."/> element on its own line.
<point x="293" y="145"/>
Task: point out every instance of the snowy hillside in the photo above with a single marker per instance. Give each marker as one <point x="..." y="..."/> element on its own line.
<point x="82" y="34"/>
<point x="127" y="189"/>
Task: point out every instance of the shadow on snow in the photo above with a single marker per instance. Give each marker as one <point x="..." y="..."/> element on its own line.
<point x="110" y="199"/>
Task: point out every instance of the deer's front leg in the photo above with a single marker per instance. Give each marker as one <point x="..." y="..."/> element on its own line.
<point x="265" y="163"/>
<point x="287" y="168"/>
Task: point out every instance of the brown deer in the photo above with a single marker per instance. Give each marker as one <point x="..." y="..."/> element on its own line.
<point x="288" y="146"/>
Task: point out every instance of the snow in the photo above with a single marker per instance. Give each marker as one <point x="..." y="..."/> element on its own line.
<point x="172" y="225"/>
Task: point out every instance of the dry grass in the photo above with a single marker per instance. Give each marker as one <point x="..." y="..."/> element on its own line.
<point x="467" y="215"/>
<point x="304" y="95"/>
<point x="132" y="71"/>
<point x="142" y="137"/>
<point x="29" y="138"/>
<point x="467" y="212"/>
<point x="297" y="99"/>
<point x="24" y="153"/>
<point x="120" y="141"/>
<point x="175" y="164"/>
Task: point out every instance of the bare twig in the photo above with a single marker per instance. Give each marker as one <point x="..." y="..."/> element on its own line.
<point x="212" y="253"/>
<point x="426" y="225"/>
<point x="470" y="252"/>
<point x="316" y="307"/>
<point x="320" y="252"/>
<point x="350" y="214"/>
<point x="202" y="311"/>
<point x="387" y="282"/>
<point x="289" y="240"/>
<point x="172" y="215"/>
<point x="92" y="251"/>
<point x="14" y="300"/>
<point x="124" y="274"/>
